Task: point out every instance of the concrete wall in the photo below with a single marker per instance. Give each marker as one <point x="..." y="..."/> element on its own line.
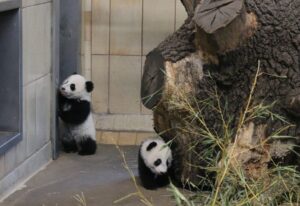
<point x="117" y="35"/>
<point x="34" y="151"/>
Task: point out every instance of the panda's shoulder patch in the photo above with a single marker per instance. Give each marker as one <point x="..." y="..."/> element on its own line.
<point x="151" y="146"/>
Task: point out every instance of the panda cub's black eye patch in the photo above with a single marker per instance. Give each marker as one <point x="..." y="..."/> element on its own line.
<point x="151" y="146"/>
<point x="72" y="87"/>
<point x="157" y="162"/>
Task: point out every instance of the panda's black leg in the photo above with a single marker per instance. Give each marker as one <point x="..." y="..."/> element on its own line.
<point x="87" y="146"/>
<point x="69" y="145"/>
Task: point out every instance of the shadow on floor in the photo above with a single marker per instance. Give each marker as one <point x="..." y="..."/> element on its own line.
<point x="101" y="178"/>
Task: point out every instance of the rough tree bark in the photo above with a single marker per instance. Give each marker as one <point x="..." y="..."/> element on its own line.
<point x="216" y="51"/>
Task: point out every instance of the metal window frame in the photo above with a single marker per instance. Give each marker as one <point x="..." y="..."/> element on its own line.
<point x="11" y="138"/>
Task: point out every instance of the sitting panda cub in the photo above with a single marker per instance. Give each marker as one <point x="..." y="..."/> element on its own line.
<point x="154" y="162"/>
<point x="75" y="111"/>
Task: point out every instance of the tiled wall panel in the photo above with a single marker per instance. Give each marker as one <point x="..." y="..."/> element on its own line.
<point x="30" y="117"/>
<point x="126" y="30"/>
<point x="158" y="22"/>
<point x="43" y="99"/>
<point x="36" y="42"/>
<point x="181" y="14"/>
<point x="124" y="84"/>
<point x="100" y="28"/>
<point x="100" y="77"/>
<point x="126" y="27"/>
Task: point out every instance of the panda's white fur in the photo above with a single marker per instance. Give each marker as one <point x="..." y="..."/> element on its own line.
<point x="155" y="159"/>
<point x="75" y="112"/>
<point x="80" y="92"/>
<point x="87" y="128"/>
<point x="160" y="151"/>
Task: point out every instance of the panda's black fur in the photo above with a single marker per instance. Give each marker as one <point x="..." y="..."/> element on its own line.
<point x="74" y="109"/>
<point x="80" y="110"/>
<point x="151" y="152"/>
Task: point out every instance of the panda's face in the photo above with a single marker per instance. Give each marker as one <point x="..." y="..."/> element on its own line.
<point x="76" y="86"/>
<point x="156" y="155"/>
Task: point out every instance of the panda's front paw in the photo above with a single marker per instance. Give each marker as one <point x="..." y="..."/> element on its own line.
<point x="66" y="107"/>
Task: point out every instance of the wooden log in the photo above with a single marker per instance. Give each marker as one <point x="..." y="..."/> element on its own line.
<point x="198" y="62"/>
<point x="181" y="80"/>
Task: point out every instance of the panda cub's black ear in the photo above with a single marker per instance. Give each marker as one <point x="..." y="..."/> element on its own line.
<point x="89" y="86"/>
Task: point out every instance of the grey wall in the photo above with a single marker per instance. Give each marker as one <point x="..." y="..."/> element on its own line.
<point x="34" y="150"/>
<point x="70" y="21"/>
<point x="10" y="78"/>
<point x="55" y="76"/>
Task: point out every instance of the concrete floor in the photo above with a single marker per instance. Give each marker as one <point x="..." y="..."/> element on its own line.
<point x="101" y="178"/>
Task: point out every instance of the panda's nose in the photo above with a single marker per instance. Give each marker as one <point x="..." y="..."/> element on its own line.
<point x="63" y="89"/>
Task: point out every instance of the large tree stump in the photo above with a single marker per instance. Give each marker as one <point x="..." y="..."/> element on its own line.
<point x="214" y="58"/>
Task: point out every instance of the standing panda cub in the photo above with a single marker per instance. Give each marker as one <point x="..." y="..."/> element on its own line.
<point x="74" y="102"/>
<point x="154" y="162"/>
